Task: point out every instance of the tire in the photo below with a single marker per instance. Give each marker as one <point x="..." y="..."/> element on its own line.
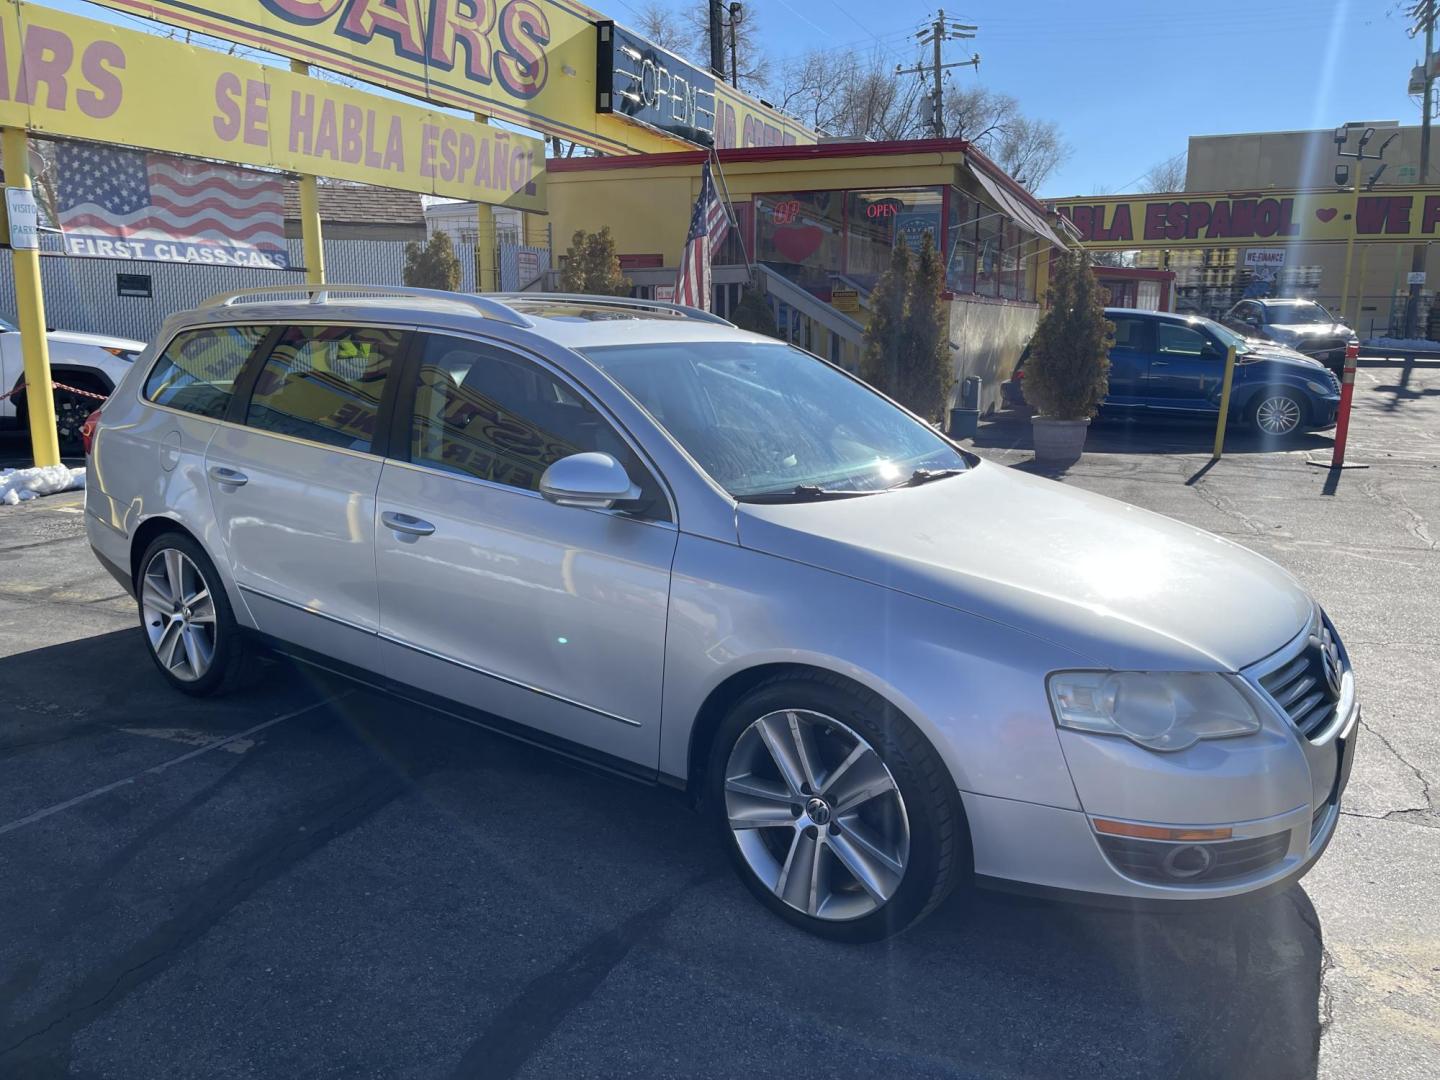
<point x="216" y="656"/>
<point x="908" y="836"/>
<point x="1277" y="413"/>
<point x="70" y="413"/>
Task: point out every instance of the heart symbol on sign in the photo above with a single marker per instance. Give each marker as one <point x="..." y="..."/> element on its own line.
<point x="1327" y="214"/>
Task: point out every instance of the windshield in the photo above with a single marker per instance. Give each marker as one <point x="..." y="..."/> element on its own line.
<point x="1306" y="311"/>
<point x="1227" y="336"/>
<point x="762" y="418"/>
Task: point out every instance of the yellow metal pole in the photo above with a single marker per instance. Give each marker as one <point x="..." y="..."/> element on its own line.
<point x="1345" y="280"/>
<point x="312" y="235"/>
<point x="30" y="308"/>
<point x="485" y="240"/>
<point x="1360" y="287"/>
<point x="1224" y="402"/>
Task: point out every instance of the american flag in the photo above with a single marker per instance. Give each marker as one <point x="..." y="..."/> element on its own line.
<point x="708" y="225"/>
<point x="121" y="194"/>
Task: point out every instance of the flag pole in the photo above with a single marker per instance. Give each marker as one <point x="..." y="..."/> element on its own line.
<point x="730" y="212"/>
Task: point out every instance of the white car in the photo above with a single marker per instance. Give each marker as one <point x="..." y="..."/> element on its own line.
<point x="92" y="364"/>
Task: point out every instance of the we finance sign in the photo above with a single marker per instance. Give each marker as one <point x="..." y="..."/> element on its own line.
<point x="78" y="78"/>
<point x="1234" y="220"/>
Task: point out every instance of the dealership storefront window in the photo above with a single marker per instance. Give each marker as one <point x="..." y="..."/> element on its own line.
<point x="812" y="236"/>
<point x="989" y="254"/>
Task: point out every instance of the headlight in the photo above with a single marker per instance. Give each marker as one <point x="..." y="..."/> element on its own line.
<point x="1159" y="711"/>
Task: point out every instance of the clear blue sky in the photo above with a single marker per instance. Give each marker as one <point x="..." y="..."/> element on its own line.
<point x="1128" y="81"/>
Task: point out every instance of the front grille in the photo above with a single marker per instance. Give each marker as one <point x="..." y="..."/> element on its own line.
<point x="1167" y="863"/>
<point x="1307" y="686"/>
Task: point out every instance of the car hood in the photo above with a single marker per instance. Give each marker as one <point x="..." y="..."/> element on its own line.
<point x="1316" y="329"/>
<point x="1120" y="586"/>
<point x="1269" y="350"/>
<point x="100" y="341"/>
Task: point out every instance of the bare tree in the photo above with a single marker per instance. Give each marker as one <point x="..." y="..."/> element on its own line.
<point x="692" y="30"/>
<point x="666" y="29"/>
<point x="1167" y="175"/>
<point x="844" y="93"/>
<point x="1026" y="148"/>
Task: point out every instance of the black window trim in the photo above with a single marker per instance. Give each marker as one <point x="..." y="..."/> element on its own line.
<point x="404" y="409"/>
<point x="250" y="375"/>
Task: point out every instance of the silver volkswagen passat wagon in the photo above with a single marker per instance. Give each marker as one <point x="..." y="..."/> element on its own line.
<point x="706" y="558"/>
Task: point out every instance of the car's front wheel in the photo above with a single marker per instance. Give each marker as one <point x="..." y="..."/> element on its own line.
<point x="1277" y="412"/>
<point x="838" y="814"/>
<point x="189" y="625"/>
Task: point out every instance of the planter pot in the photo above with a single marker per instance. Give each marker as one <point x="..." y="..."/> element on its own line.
<point x="1059" y="442"/>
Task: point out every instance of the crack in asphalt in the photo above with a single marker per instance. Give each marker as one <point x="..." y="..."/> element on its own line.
<point x="1413" y="521"/>
<point x="1429" y="807"/>
<point x="532" y="1016"/>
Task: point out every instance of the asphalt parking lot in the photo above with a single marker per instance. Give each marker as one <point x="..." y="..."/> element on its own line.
<point x="308" y="879"/>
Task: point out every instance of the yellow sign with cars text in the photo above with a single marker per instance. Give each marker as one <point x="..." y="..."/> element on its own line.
<point x="73" y="77"/>
<point x="1185" y="219"/>
<point x="529" y="62"/>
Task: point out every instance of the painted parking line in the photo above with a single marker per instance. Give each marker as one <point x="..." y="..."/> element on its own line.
<point x="218" y="744"/>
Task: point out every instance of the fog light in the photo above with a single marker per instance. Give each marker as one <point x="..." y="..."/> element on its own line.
<point x="1187" y="861"/>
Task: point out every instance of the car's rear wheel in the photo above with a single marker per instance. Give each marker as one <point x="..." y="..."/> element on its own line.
<point x="1277" y="412"/>
<point x="838" y="814"/>
<point x="188" y="623"/>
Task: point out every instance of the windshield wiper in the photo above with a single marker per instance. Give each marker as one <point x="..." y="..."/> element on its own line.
<point x="800" y="493"/>
<point x="924" y="476"/>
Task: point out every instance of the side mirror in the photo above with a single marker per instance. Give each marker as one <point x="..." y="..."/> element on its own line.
<point x="594" y="481"/>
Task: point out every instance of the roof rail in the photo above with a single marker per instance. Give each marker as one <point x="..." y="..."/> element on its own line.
<point x="320" y="294"/>
<point x="684" y="310"/>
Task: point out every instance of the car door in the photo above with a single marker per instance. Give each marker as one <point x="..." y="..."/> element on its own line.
<point x="1186" y="369"/>
<point x="1129" y="362"/>
<point x="292" y="478"/>
<point x="490" y="595"/>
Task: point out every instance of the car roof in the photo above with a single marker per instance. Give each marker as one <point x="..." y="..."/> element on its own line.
<point x="572" y="321"/>
<point x="1168" y="316"/>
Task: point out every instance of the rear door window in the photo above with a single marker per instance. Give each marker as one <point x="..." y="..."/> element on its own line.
<point x="1131" y="335"/>
<point x="197" y="371"/>
<point x="324" y="384"/>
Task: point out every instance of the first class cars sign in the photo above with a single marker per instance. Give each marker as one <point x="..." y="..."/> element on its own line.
<point x="67" y="76"/>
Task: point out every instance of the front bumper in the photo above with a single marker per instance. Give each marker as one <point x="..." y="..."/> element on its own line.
<point x="1030" y="848"/>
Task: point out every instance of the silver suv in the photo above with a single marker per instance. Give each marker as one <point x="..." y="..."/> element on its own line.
<point x="708" y="559"/>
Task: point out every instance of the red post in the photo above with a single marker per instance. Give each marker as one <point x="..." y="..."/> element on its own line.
<point x="1342" y="418"/>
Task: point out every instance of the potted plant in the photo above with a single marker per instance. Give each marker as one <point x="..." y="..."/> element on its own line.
<point x="1068" y="372"/>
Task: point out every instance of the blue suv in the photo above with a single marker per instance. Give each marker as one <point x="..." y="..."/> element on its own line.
<point x="1164" y="364"/>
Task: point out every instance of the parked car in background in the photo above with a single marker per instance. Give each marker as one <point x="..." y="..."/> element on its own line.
<point x="1302" y="325"/>
<point x="706" y="558"/>
<point x="90" y="363"/>
<point x="1164" y="364"/>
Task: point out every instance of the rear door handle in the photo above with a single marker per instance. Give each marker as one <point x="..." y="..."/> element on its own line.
<point x="404" y="523"/>
<point x="229" y="477"/>
<point x="1159" y="363"/>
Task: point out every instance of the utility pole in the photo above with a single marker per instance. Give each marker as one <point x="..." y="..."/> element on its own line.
<point x="936" y="34"/>
<point x="717" y="38"/>
<point x="736" y="10"/>
<point x="1426" y="14"/>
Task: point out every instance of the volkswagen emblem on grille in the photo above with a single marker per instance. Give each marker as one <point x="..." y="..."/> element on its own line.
<point x="1330" y="661"/>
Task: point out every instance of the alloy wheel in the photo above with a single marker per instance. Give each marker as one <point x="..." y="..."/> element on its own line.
<point x="179" y="615"/>
<point x="1278" y="415"/>
<point x="816" y="814"/>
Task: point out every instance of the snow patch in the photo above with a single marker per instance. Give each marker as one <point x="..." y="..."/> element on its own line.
<point x="1402" y="344"/>
<point x="21" y="485"/>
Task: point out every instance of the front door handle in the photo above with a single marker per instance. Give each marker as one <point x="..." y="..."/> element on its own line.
<point x="1159" y="363"/>
<point x="229" y="477"/>
<point x="404" y="523"/>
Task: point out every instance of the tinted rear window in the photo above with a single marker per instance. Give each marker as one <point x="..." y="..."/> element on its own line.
<point x="197" y="371"/>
